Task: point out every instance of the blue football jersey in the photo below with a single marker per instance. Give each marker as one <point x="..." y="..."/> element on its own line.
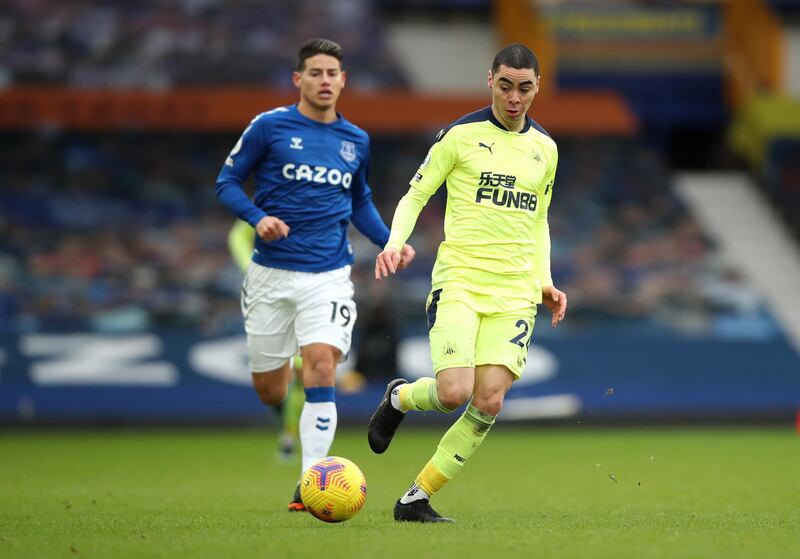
<point x="311" y="175"/>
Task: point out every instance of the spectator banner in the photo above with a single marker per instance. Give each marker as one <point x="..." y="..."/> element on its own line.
<point x="640" y="23"/>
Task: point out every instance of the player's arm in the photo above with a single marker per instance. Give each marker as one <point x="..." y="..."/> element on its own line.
<point x="429" y="177"/>
<point x="552" y="297"/>
<point x="241" y="239"/>
<point x="244" y="156"/>
<point x="366" y="217"/>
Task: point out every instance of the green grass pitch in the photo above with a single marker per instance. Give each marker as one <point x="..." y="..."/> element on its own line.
<point x="531" y="492"/>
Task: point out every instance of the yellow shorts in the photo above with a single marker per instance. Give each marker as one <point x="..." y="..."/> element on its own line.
<point x="467" y="330"/>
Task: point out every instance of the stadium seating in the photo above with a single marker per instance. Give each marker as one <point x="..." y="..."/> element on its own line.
<point x="160" y="45"/>
<point x="111" y="235"/>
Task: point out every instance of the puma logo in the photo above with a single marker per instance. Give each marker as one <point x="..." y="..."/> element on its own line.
<point x="482" y="145"/>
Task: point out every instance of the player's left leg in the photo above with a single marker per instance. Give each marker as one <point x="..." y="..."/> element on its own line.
<point x="324" y="325"/>
<point x="319" y="418"/>
<point x="501" y="352"/>
<point x="459" y="442"/>
<point x="501" y="349"/>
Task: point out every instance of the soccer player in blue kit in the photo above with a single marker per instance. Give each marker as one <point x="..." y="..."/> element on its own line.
<point x="310" y="169"/>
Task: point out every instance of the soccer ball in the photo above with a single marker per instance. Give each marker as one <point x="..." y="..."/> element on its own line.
<point x="333" y="489"/>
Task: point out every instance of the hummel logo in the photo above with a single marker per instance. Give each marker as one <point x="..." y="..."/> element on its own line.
<point x="482" y="145"/>
<point x="297" y="143"/>
<point x="323" y="423"/>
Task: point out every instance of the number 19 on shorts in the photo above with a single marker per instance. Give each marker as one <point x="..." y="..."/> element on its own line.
<point x="341" y="313"/>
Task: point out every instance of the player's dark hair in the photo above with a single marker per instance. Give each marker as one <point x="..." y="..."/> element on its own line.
<point x="313" y="47"/>
<point x="516" y="56"/>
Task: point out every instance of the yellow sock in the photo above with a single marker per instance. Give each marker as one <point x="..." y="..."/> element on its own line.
<point x="421" y="396"/>
<point x="430" y="479"/>
<point x="458" y="444"/>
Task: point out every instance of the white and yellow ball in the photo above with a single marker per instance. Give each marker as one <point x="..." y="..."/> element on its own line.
<point x="333" y="489"/>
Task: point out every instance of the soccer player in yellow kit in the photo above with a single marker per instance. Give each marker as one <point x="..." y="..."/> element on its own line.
<point x="490" y="273"/>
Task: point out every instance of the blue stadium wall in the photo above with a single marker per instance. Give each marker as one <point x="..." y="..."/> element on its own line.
<point x="181" y="378"/>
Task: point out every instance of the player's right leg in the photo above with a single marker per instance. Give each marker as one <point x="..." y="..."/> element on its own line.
<point x="269" y="315"/>
<point x="292" y="408"/>
<point x="272" y="386"/>
<point x="269" y="324"/>
<point x="453" y="326"/>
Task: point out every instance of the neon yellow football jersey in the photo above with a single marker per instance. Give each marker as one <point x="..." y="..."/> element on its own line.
<point x="499" y="187"/>
<point x="241" y="239"/>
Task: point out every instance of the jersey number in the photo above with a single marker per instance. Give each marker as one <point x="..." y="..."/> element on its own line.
<point x="521" y="336"/>
<point x="344" y="312"/>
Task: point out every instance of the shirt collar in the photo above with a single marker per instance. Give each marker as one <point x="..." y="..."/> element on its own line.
<point x="493" y="119"/>
<point x="337" y="122"/>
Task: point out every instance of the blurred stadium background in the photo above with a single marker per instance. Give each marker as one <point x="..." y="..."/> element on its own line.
<point x="675" y="221"/>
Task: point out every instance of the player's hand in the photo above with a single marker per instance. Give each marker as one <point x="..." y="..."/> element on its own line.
<point x="556" y="301"/>
<point x="387" y="262"/>
<point x="406" y="256"/>
<point x="271" y="228"/>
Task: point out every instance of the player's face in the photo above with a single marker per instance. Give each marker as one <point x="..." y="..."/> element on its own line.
<point x="513" y="90"/>
<point x="321" y="81"/>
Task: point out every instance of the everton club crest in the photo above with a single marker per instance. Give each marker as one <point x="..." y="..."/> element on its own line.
<point x="348" y="151"/>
